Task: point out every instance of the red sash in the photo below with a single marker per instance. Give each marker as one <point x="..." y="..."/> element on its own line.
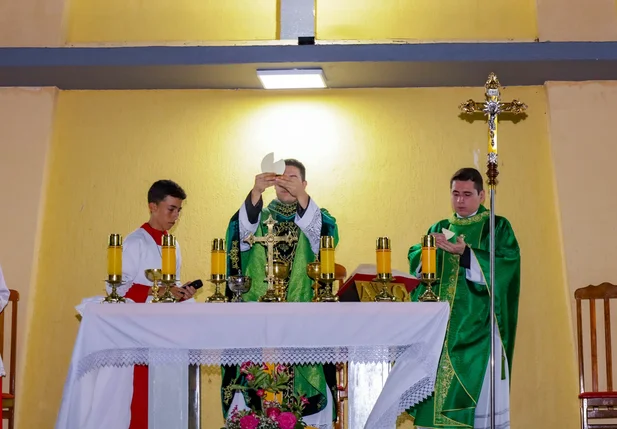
<point x="139" y="404"/>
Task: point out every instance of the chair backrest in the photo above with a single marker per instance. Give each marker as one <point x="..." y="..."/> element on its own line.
<point x="13" y="303"/>
<point x="604" y="292"/>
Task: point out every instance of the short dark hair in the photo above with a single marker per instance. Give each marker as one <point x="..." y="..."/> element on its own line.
<point x="298" y="165"/>
<point x="469" y="174"/>
<point x="164" y="188"/>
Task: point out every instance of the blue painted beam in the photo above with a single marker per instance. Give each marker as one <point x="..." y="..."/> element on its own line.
<point x="229" y="55"/>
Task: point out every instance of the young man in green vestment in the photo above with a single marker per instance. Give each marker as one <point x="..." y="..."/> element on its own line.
<point x="296" y="213"/>
<point x="462" y="388"/>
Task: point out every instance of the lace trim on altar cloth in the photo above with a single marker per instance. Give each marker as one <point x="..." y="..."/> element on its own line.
<point x="289" y="356"/>
<point x="415" y="394"/>
<point x="412" y="396"/>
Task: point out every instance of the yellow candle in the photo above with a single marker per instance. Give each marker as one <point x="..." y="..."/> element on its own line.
<point x="168" y="252"/>
<point x="429" y="255"/>
<point x="114" y="255"/>
<point x="326" y="255"/>
<point x="384" y="256"/>
<point x="218" y="257"/>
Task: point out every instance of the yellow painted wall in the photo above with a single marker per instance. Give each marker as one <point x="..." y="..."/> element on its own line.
<point x="162" y="20"/>
<point x="26" y="117"/>
<point x="427" y="19"/>
<point x="380" y="160"/>
<point x="584" y="159"/>
<point x="119" y="21"/>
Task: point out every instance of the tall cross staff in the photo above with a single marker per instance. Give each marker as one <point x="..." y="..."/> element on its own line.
<point x="268" y="241"/>
<point x="492" y="107"/>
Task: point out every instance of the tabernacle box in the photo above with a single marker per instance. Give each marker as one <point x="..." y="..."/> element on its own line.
<point x="361" y="287"/>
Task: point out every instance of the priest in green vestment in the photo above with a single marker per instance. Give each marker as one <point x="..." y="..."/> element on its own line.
<point x="296" y="213"/>
<point x="461" y="397"/>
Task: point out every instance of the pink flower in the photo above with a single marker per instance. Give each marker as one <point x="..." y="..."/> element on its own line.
<point x="273" y="412"/>
<point x="260" y="393"/>
<point x="250" y="377"/>
<point x="244" y="367"/>
<point x="287" y="420"/>
<point x="249" y="422"/>
<point x="280" y="368"/>
<point x="264" y="367"/>
<point x="304" y="400"/>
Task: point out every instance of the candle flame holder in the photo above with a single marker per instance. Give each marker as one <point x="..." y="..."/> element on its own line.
<point x="217" y="296"/>
<point x="428" y="279"/>
<point x="169" y="280"/>
<point x="114" y="276"/>
<point x="113" y="297"/>
<point x="383" y="249"/>
<point x="326" y="295"/>
<point x="384" y="294"/>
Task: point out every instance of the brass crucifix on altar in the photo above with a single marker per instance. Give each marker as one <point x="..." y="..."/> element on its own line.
<point x="268" y="241"/>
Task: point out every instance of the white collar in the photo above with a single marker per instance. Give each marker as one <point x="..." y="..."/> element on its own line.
<point x="461" y="217"/>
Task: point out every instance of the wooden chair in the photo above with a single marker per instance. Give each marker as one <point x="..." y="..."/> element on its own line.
<point x="596" y="404"/>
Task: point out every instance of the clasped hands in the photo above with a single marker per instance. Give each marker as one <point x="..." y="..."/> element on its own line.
<point x="457" y="248"/>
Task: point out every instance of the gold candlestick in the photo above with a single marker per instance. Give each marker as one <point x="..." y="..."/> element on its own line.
<point x="218" y="270"/>
<point x="326" y="256"/>
<point x="114" y="268"/>
<point x="168" y="252"/>
<point x="429" y="267"/>
<point x="217" y="296"/>
<point x="383" y="252"/>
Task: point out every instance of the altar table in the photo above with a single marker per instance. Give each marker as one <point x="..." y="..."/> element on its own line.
<point x="114" y="337"/>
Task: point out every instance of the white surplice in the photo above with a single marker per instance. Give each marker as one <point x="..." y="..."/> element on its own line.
<point x="310" y="224"/>
<point x="167" y="384"/>
<point x="4" y="300"/>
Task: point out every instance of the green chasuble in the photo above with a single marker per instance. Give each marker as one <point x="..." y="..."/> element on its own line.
<point x="311" y="381"/>
<point x="466" y="351"/>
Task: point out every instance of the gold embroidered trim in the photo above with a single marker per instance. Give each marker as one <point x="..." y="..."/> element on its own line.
<point x="233" y="255"/>
<point x="283" y="209"/>
<point x="446" y="373"/>
<point x="469" y="220"/>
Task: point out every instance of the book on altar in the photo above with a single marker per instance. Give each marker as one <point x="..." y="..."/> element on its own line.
<point x="359" y="286"/>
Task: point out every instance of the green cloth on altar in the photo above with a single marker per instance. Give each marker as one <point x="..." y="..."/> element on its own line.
<point x="309" y="380"/>
<point x="466" y="350"/>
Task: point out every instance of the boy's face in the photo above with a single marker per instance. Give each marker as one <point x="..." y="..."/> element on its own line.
<point x="165" y="213"/>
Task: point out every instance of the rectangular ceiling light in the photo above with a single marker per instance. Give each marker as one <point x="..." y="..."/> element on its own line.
<point x="292" y="79"/>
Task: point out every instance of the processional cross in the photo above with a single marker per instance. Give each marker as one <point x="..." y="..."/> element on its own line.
<point x="492" y="107"/>
<point x="268" y="241"/>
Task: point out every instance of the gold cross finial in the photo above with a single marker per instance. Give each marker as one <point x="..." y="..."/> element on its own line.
<point x="492" y="107"/>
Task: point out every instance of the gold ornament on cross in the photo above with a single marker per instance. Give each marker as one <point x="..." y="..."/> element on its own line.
<point x="492" y="107"/>
<point x="269" y="241"/>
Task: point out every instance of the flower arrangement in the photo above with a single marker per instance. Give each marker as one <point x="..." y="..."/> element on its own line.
<point x="283" y="412"/>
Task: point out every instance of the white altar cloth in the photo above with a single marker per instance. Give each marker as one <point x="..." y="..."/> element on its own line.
<point x="113" y="338"/>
